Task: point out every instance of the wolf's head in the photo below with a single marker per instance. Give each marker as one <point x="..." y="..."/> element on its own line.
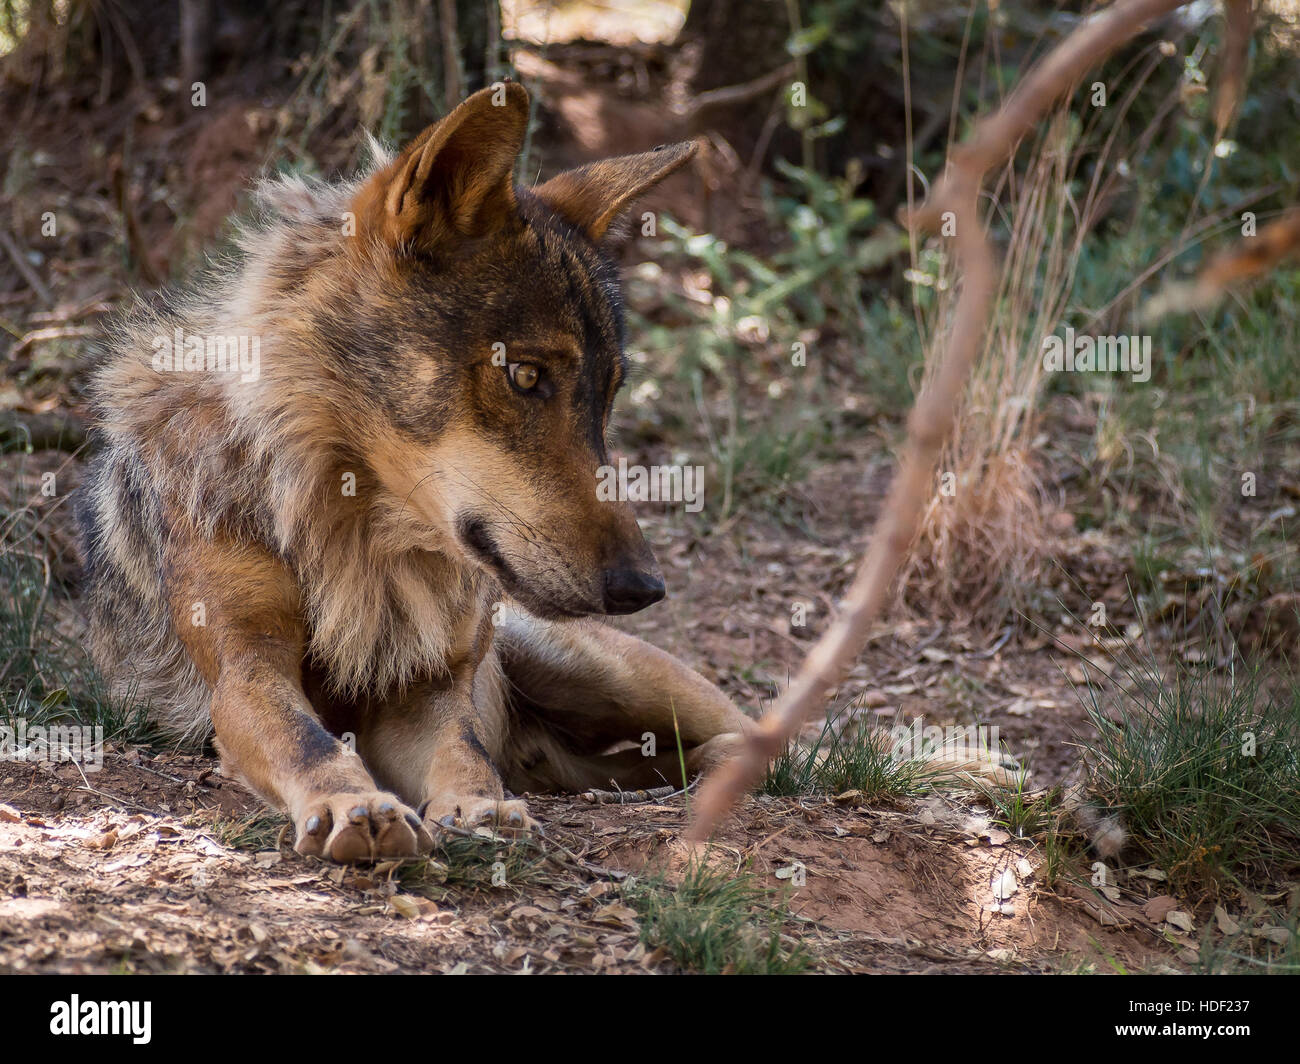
<point x="483" y="322"/>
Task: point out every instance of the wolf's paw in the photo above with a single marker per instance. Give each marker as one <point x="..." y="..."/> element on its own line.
<point x="504" y="816"/>
<point x="360" y="826"/>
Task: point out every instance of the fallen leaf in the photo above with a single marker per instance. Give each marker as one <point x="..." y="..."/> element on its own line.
<point x="616" y="915"/>
<point x="1158" y="907"/>
<point x="404" y="905"/>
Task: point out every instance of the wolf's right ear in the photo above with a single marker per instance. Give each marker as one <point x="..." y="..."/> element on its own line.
<point x="453" y="180"/>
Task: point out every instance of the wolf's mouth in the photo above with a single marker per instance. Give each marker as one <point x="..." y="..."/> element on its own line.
<point x="473" y="532"/>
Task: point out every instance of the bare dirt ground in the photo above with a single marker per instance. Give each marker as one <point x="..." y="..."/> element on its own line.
<point x="135" y="869"/>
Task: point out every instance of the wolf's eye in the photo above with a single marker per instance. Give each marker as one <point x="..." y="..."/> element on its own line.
<point x="524" y="375"/>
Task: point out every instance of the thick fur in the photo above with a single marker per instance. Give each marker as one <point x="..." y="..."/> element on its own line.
<point x="378" y="533"/>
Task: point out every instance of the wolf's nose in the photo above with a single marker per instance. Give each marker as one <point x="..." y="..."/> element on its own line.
<point x="629" y="590"/>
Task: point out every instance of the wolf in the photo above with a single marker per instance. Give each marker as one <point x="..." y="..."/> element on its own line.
<point x="369" y="561"/>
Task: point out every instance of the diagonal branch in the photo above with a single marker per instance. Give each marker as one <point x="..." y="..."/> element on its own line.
<point x="954" y="196"/>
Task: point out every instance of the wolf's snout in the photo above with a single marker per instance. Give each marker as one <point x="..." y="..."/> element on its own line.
<point x="629" y="590"/>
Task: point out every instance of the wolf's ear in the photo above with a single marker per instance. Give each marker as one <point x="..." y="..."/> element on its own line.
<point x="453" y="180"/>
<point x="591" y="196"/>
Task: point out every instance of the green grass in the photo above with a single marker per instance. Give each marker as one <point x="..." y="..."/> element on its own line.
<point x="786" y="332"/>
<point x="1021" y="812"/>
<point x="1203" y="768"/>
<point x="1063" y="855"/>
<point x="845" y="760"/>
<point x="717" y="922"/>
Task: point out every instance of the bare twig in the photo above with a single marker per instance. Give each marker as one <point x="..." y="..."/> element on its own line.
<point x="54" y="332"/>
<point x="654" y="794"/>
<point x="729" y="95"/>
<point x="135" y="238"/>
<point x="954" y="197"/>
<point x="24" y="267"/>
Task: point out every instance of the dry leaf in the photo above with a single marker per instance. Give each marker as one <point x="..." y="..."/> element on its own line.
<point x="1158" y="907"/>
<point x="1005" y="885"/>
<point x="404" y="905"/>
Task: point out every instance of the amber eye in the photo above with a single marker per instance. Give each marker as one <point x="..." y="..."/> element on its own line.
<point x="524" y="375"/>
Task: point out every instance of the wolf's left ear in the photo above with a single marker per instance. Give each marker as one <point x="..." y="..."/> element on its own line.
<point x="592" y="196"/>
<point x="454" y="179"/>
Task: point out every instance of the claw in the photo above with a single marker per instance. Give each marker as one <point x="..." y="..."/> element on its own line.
<point x="361" y="827"/>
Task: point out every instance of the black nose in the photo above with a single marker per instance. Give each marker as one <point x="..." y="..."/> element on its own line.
<point x="629" y="590"/>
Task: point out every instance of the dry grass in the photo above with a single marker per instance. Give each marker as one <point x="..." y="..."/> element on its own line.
<point x="985" y="539"/>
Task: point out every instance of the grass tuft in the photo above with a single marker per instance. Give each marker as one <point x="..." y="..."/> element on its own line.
<point x="1203" y="768"/>
<point x="717" y="923"/>
<point x="846" y="759"/>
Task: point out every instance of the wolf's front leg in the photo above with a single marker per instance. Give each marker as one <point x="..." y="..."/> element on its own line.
<point x="440" y="744"/>
<point x="236" y="611"/>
